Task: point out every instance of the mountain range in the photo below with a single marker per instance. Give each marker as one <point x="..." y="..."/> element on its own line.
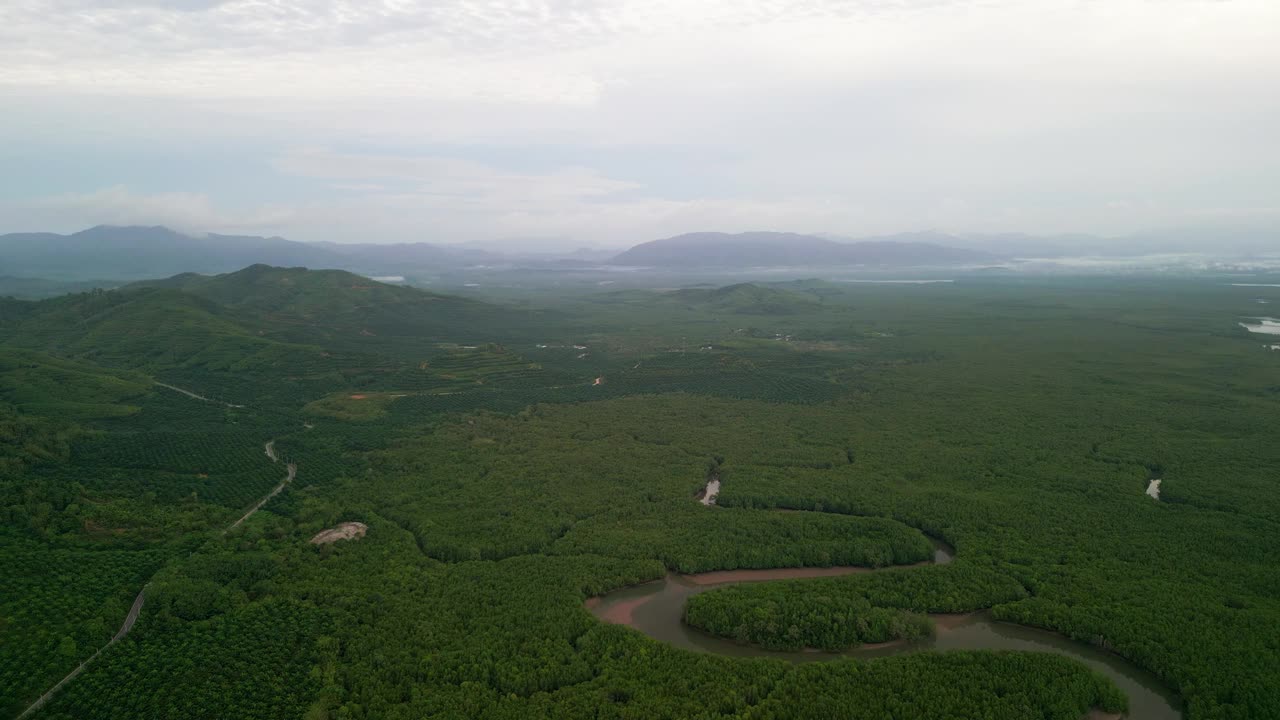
<point x="773" y="249"/>
<point x="114" y="255"/>
<point x="134" y="253"/>
<point x="110" y="252"/>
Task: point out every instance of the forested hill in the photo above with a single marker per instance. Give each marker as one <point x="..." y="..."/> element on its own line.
<point x="113" y="253"/>
<point x="505" y="465"/>
<point x="332" y="295"/>
<point x="260" y="329"/>
<point x="136" y="252"/>
<point x="747" y="299"/>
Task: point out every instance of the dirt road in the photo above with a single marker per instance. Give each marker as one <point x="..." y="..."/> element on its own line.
<point x="293" y="472"/>
<point x="190" y="394"/>
<point x="136" y="609"/>
<point x="125" y="627"/>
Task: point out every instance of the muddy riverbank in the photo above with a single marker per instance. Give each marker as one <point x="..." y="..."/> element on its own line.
<point x="657" y="609"/>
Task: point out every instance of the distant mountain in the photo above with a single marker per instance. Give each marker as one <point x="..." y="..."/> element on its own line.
<point x="398" y="256"/>
<point x="110" y="255"/>
<point x="1020" y="244"/>
<point x="130" y="253"/>
<point x="542" y="251"/>
<point x="775" y="249"/>
<point x="1221" y="242"/>
<point x="109" y="252"/>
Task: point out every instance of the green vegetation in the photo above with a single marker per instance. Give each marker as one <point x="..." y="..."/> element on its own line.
<point x="59" y="604"/>
<point x="747" y="299"/>
<point x="688" y="539"/>
<point x="995" y="685"/>
<point x="350" y="407"/>
<point x="503" y="486"/>
<point x="839" y="613"/>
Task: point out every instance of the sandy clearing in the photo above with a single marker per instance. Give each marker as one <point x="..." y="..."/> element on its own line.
<point x="710" y="492"/>
<point x="342" y="531"/>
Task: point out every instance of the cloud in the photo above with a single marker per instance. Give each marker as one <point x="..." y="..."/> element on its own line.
<point x="432" y="217"/>
<point x="452" y="200"/>
<point x="482" y="204"/>
<point x="452" y="179"/>
<point x="118" y="205"/>
<point x="843" y="115"/>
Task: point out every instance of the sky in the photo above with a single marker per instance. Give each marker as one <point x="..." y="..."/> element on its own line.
<point x="607" y="122"/>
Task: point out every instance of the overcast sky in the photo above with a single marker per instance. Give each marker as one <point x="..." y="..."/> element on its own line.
<point x="600" y="122"/>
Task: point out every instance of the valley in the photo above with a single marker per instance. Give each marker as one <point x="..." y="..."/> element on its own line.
<point x="740" y="472"/>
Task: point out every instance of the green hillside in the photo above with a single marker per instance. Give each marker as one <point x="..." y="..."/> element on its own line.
<point x="288" y="334"/>
<point x="341" y="299"/>
<point x="748" y="299"/>
<point x="507" y="464"/>
<point x="334" y="295"/>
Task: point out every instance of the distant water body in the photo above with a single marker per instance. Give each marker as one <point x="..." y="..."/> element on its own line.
<point x="1263" y="326"/>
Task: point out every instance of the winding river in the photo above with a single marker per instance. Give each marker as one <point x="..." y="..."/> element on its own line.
<point x="657" y="609"/>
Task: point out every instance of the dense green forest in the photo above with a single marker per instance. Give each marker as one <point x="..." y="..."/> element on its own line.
<point x="513" y="459"/>
<point x="839" y="613"/>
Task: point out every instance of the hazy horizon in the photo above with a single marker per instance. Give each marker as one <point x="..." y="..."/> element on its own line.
<point x="604" y="123"/>
<point x="1188" y="244"/>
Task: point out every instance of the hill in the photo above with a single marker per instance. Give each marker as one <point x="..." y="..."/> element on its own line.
<point x="773" y="249"/>
<point x="41" y="396"/>
<point x="137" y="252"/>
<point x="518" y="494"/>
<point x="334" y="295"/>
<point x="747" y="299"/>
<point x="262" y="331"/>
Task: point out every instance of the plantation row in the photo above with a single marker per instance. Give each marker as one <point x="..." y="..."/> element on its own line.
<point x="768" y="388"/>
<point x="251" y="664"/>
<point x="59" y="605"/>
<point x="233" y="451"/>
<point x="1018" y="423"/>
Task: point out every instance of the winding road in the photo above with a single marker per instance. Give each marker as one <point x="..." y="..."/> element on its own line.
<point x="136" y="608"/>
<point x="190" y="394"/>
<point x="129" y="620"/>
<point x="292" y="473"/>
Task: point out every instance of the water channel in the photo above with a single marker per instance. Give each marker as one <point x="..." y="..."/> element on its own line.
<point x="657" y="609"/>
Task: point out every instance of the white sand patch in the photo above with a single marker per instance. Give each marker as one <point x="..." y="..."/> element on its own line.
<point x="709" y="494"/>
<point x="345" y="531"/>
